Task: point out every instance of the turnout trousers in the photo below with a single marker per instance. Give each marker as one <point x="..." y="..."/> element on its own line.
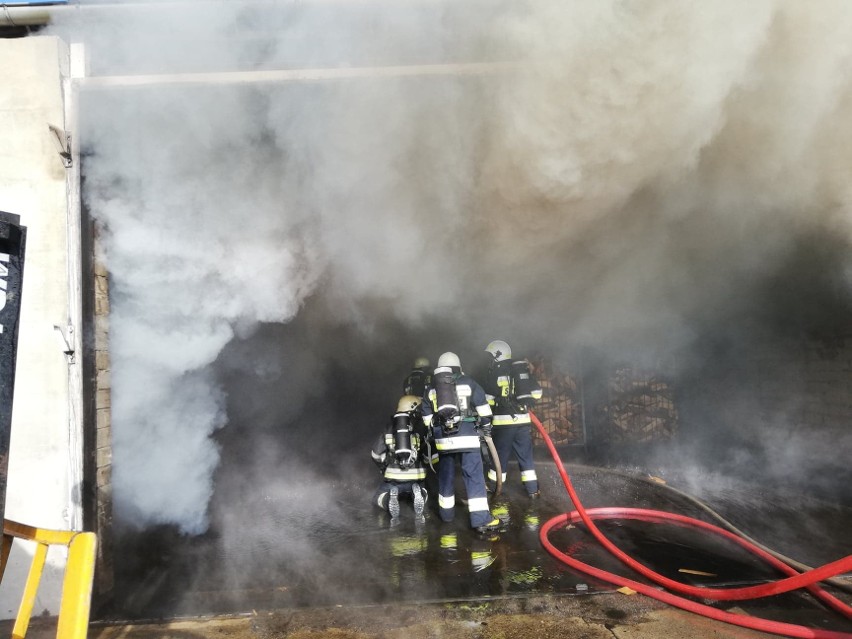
<point x="474" y="483"/>
<point x="517" y="439"/>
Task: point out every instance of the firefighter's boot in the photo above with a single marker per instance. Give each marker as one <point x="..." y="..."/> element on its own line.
<point x="393" y="505"/>
<point x="419" y="502"/>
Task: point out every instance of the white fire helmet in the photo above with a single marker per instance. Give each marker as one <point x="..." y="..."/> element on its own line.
<point x="408" y="403"/>
<point x="421" y="362"/>
<point x="449" y="359"/>
<point x="499" y="350"/>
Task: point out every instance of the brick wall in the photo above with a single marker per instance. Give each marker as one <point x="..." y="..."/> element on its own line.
<point x="103" y="436"/>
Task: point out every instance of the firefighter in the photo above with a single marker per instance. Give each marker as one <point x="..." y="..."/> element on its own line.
<point x="511" y="392"/>
<point x="418" y="379"/>
<point x="398" y="454"/>
<point x="456" y="410"/>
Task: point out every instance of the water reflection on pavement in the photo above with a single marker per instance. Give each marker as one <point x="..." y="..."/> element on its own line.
<point x="356" y="557"/>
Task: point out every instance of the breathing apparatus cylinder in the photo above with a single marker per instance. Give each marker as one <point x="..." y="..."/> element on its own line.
<point x="446" y="399"/>
<point x="403" y="450"/>
<point x="522" y="384"/>
<point x="416" y="382"/>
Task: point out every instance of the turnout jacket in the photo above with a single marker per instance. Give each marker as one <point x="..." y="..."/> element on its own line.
<point x="384" y="455"/>
<point x="473" y="408"/>
<point x="499" y="390"/>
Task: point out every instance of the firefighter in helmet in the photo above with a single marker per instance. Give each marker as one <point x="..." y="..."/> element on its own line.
<point x="398" y="454"/>
<point x="512" y="391"/>
<point x="457" y="411"/>
<point x="418" y="379"/>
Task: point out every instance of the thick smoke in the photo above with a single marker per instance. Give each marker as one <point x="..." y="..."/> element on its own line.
<point x="636" y="175"/>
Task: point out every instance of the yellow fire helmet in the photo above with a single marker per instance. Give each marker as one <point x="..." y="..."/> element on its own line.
<point x="408" y="403"/>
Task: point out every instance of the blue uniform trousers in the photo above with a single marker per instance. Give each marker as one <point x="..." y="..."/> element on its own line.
<point x="474" y="483"/>
<point x="518" y="439"/>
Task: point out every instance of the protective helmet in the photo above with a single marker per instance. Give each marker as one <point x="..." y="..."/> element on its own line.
<point x="449" y="359"/>
<point x="499" y="350"/>
<point x="421" y="362"/>
<point x="408" y="403"/>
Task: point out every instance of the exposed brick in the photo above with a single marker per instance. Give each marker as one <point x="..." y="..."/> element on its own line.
<point x="102" y="360"/>
<point x="101" y="304"/>
<point x="101" y="285"/>
<point x="101" y="269"/>
<point x="103" y="380"/>
<point x="103" y="457"/>
<point x="101" y="330"/>
<point x="103" y="435"/>
<point x="104" y="480"/>
<point x="103" y="398"/>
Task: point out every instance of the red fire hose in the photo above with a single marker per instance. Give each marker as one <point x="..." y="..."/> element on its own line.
<point x="794" y="580"/>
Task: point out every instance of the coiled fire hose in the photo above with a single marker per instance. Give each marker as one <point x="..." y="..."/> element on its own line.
<point x="841" y="583"/>
<point x="793" y="581"/>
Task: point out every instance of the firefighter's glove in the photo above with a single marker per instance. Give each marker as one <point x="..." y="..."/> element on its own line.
<point x="485" y="429"/>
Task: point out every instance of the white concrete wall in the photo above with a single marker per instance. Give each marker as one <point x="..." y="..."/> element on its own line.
<point x="45" y="465"/>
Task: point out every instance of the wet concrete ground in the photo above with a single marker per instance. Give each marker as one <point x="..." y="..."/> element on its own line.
<point x="291" y="563"/>
<point x="535" y="617"/>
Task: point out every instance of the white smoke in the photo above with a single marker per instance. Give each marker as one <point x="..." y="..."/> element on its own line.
<point x="647" y="164"/>
<point x="199" y="246"/>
